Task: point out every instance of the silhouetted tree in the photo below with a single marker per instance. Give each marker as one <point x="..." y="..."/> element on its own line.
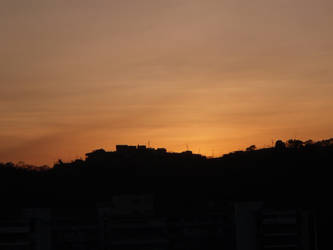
<point x="251" y="148"/>
<point x="294" y="143"/>
<point x="280" y="145"/>
<point x="59" y="164"/>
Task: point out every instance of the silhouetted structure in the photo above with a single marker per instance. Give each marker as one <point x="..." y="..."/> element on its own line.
<point x="261" y="226"/>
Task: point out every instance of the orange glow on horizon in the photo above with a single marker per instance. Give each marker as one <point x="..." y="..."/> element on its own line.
<point x="216" y="75"/>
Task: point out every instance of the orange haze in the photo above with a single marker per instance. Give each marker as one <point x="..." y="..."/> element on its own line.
<point x="217" y="75"/>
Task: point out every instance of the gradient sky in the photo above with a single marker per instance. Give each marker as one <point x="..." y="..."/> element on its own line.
<point x="218" y="75"/>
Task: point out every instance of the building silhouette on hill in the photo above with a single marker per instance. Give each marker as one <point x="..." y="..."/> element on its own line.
<point x="130" y="150"/>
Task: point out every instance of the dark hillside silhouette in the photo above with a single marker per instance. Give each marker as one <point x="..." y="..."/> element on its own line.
<point x="291" y="175"/>
<point x="292" y="168"/>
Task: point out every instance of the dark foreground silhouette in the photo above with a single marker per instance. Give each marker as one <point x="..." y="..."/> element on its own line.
<point x="143" y="198"/>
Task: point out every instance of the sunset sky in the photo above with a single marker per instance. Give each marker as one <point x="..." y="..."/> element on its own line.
<point x="216" y="75"/>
